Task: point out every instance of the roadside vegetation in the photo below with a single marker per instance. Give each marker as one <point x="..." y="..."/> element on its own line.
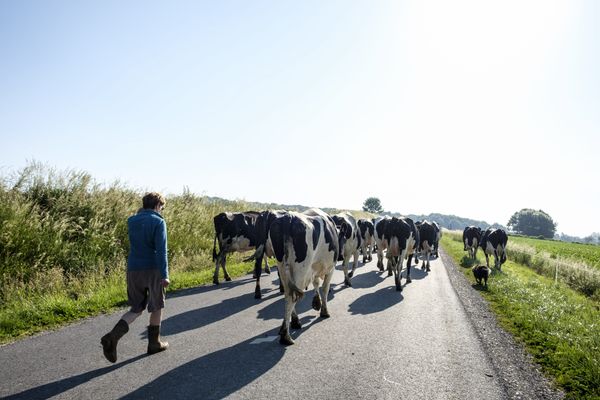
<point x="559" y="326"/>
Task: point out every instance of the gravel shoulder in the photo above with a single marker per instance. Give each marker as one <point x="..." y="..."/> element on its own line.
<point x="515" y="368"/>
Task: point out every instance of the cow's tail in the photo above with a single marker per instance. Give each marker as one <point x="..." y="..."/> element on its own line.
<point x="295" y="291"/>
<point x="258" y="253"/>
<point x="215" y="255"/>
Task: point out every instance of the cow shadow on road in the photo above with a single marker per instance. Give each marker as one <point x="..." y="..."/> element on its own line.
<point x="199" y="317"/>
<point x="209" y="288"/>
<point x="276" y="309"/>
<point x="368" y="279"/>
<point x="55" y="388"/>
<point x="215" y="375"/>
<point x="376" y="302"/>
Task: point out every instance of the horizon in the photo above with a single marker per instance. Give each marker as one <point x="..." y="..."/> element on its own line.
<point x="469" y="108"/>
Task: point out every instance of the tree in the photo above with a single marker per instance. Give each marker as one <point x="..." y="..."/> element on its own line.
<point x="373" y="205"/>
<point x="532" y="223"/>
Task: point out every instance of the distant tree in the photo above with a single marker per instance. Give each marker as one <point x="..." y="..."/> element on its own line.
<point x="373" y="205"/>
<point x="532" y="223"/>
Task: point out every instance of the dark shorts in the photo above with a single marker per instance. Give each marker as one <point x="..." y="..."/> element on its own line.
<point x="144" y="289"/>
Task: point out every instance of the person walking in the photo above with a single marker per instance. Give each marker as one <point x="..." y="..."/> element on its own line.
<point x="147" y="275"/>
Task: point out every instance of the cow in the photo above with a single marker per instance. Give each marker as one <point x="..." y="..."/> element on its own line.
<point x="349" y="242"/>
<point x="493" y="241"/>
<point x="380" y="242"/>
<point x="306" y="246"/>
<point x="367" y="239"/>
<point x="234" y="232"/>
<point x="264" y="247"/>
<point x="438" y="237"/>
<point x="472" y="239"/>
<point x="399" y="234"/>
<point x="428" y="238"/>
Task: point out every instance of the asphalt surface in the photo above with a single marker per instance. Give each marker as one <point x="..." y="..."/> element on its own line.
<point x="422" y="343"/>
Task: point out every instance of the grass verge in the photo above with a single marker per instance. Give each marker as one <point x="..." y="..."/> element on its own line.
<point x="37" y="312"/>
<point x="560" y="327"/>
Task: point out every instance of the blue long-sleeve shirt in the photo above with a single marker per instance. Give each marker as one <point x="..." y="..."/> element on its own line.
<point x="148" y="242"/>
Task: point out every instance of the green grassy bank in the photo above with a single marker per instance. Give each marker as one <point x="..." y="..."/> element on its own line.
<point x="559" y="326"/>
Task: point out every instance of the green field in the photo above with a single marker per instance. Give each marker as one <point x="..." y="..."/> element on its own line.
<point x="585" y="253"/>
<point x="559" y="326"/>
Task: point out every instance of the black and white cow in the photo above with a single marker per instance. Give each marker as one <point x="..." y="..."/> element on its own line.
<point x="306" y="248"/>
<point x="264" y="248"/>
<point x="428" y="237"/>
<point x="380" y="241"/>
<point x="493" y="241"/>
<point x="234" y="232"/>
<point x="399" y="234"/>
<point x="349" y="242"/>
<point x="472" y="239"/>
<point x="367" y="238"/>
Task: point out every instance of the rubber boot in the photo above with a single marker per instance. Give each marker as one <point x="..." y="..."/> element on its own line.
<point x="110" y="340"/>
<point x="154" y="343"/>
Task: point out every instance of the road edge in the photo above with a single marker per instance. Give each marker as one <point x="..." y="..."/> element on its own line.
<point x="519" y="375"/>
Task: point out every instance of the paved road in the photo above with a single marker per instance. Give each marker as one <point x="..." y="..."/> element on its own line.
<point x="378" y="344"/>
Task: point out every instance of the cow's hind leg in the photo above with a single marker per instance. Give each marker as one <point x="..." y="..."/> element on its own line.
<point x="397" y="277"/>
<point x="225" y="273"/>
<point x="316" y="302"/>
<point x="267" y="269"/>
<point x="380" y="259"/>
<point x="221" y="258"/>
<point x="284" y="332"/>
<point x="354" y="264"/>
<point x="325" y="293"/>
<point x="347" y="276"/>
<point x="408" y="280"/>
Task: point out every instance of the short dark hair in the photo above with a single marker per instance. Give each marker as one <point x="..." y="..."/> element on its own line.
<point x="153" y="199"/>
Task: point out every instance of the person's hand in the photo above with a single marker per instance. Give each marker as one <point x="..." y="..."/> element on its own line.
<point x="165" y="282"/>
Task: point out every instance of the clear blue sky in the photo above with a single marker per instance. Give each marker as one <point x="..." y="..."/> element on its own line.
<point x="472" y="108"/>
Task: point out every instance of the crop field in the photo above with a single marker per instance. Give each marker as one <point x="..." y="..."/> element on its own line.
<point x="585" y="253"/>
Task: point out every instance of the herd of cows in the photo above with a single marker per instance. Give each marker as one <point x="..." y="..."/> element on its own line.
<point x="307" y="245"/>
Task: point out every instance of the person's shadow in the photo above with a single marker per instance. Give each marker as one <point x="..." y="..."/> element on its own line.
<point x="218" y="374"/>
<point x="54" y="388"/>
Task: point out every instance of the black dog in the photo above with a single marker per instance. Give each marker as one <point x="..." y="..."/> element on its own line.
<point x="481" y="272"/>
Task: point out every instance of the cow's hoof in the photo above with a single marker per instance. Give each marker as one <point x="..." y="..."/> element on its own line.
<point x="295" y="323"/>
<point x="408" y="280"/>
<point x="228" y="278"/>
<point x="428" y="269"/>
<point x="286" y="340"/>
<point x="390" y="273"/>
<point x="325" y="314"/>
<point x="257" y="294"/>
<point x="398" y="288"/>
<point x="351" y="274"/>
<point x="316" y="303"/>
<point x="254" y="276"/>
<point x="347" y="282"/>
<point x="215" y="281"/>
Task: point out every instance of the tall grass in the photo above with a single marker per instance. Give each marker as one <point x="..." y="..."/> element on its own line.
<point x="64" y="245"/>
<point x="558" y="325"/>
